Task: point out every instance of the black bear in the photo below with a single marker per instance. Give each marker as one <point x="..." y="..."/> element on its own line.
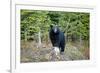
<point x="57" y="39"/>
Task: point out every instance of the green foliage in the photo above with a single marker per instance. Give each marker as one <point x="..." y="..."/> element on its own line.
<point x="74" y="24"/>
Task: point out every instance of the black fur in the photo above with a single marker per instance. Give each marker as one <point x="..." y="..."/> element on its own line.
<point x="57" y="38"/>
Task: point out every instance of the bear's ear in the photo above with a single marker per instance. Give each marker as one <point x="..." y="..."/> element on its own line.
<point x="51" y="25"/>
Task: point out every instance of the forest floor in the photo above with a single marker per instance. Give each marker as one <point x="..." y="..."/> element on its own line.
<point x="30" y="53"/>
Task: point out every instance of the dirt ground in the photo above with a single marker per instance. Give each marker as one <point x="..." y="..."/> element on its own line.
<point x="30" y="52"/>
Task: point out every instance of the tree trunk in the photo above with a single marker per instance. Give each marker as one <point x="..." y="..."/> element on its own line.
<point x="80" y="40"/>
<point x="39" y="39"/>
<point x="25" y="34"/>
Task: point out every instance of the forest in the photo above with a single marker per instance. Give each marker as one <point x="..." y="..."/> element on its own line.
<point x="35" y="26"/>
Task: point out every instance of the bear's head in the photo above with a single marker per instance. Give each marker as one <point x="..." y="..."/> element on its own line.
<point x="54" y="29"/>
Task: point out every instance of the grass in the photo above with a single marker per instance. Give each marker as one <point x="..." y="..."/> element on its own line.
<point x="30" y="53"/>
